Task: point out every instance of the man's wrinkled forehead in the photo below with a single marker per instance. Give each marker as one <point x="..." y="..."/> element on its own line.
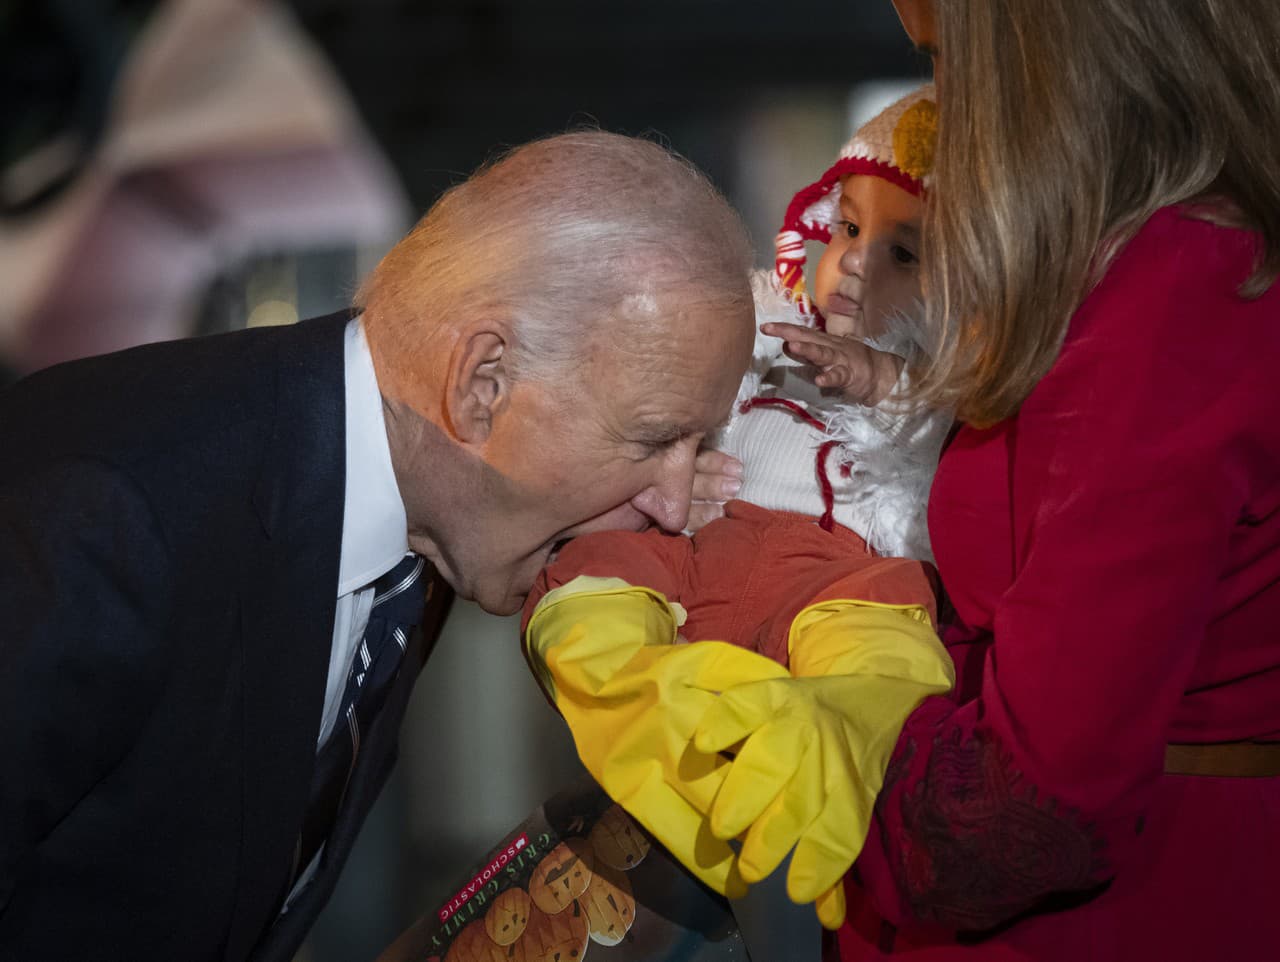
<point x="673" y="342"/>
<point x="640" y="303"/>
<point x="638" y="322"/>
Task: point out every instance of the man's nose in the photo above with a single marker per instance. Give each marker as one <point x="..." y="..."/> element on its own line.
<point x="666" y="501"/>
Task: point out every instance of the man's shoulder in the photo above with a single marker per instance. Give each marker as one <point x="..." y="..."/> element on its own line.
<point x="147" y="402"/>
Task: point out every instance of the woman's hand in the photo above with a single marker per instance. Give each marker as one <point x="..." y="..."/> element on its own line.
<point x="860" y="373"/>
<point x="717" y="478"/>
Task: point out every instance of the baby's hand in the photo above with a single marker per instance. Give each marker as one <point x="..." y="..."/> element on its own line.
<point x="860" y="373"/>
<point x="717" y="477"/>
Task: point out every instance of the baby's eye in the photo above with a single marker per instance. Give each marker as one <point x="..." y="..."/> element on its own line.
<point x="903" y="256"/>
<point x="846" y="228"/>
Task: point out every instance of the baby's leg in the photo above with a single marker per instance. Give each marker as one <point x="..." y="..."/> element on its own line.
<point x="707" y="574"/>
<point x="754" y="570"/>
<point x="649" y="559"/>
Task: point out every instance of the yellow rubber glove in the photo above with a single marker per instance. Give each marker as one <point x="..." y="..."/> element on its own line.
<point x="817" y="743"/>
<point x="604" y="652"/>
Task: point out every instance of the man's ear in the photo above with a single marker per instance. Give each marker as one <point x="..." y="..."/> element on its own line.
<point x="478" y="384"/>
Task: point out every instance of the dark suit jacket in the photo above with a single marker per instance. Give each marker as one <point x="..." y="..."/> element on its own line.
<point x="170" y="525"/>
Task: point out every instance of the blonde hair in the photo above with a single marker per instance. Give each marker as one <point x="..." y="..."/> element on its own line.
<point x="1063" y="127"/>
<point x="558" y="237"/>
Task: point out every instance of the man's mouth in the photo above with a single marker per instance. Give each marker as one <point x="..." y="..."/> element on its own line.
<point x="555" y="549"/>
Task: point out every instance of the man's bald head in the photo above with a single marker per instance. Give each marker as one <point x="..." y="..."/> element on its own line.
<point x="552" y="342"/>
<point x="561" y="240"/>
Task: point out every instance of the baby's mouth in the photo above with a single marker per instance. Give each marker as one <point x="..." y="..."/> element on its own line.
<point x="840" y="304"/>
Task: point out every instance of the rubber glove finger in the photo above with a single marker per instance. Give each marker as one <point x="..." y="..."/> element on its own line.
<point x="718" y="666"/>
<point x="739" y="712"/>
<point x="685" y="833"/>
<point x="830" y="907"/>
<point x="699" y="778"/>
<point x="655" y="742"/>
<point x="830" y="843"/>
<point x="892" y="642"/>
<point x="708" y="667"/>
<point x="782" y="823"/>
<point x="764" y="766"/>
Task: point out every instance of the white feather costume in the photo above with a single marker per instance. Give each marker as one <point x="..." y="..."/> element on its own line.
<point x="881" y="465"/>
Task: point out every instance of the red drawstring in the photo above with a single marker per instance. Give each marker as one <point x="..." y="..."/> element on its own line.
<point x="827" y="521"/>
<point x="780" y="402"/>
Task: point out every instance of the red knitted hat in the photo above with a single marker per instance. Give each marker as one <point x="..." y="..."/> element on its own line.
<point x="897" y="145"/>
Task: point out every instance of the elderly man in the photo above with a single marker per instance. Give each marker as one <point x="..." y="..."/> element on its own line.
<point x="212" y="552"/>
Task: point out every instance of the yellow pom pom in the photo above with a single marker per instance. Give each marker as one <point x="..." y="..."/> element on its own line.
<point x="914" y="138"/>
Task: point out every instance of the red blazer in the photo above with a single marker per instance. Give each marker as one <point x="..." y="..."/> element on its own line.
<point x="1113" y="556"/>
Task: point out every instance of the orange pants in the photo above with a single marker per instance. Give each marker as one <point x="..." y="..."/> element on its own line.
<point x="744" y="577"/>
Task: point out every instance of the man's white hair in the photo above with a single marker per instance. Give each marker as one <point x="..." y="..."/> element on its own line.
<point x="564" y="238"/>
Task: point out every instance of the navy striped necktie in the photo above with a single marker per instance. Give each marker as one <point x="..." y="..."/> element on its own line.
<point x="398" y="601"/>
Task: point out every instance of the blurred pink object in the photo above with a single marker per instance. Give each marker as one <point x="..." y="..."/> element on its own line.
<point x="229" y="135"/>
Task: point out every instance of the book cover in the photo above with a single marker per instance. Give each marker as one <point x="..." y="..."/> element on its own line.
<point x="577" y="879"/>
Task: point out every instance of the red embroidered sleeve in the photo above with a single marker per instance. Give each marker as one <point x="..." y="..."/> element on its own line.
<point x="968" y="840"/>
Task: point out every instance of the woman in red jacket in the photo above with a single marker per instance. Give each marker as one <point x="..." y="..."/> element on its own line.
<point x="1104" y="232"/>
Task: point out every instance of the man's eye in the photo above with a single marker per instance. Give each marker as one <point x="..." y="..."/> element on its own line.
<point x="649" y="449"/>
<point x="667" y="446"/>
<point x="904" y="256"/>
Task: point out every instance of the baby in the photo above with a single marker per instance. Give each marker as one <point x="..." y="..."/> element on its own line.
<point x="815" y="437"/>
<point x="821" y="565"/>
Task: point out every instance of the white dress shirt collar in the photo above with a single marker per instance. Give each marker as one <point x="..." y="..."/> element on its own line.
<point x="374" y="526"/>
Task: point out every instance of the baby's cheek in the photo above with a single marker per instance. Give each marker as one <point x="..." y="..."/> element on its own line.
<point x="827" y="269"/>
<point x="912" y="291"/>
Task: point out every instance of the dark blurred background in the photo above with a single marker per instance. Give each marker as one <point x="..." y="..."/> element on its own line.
<point x="441" y="83"/>
<point x="192" y="166"/>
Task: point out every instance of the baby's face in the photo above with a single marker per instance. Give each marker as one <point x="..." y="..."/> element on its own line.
<point x="871" y="269"/>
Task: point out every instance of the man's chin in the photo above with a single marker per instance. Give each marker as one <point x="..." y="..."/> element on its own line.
<point x="499" y="596"/>
<point x="506" y="604"/>
<point x="496" y="589"/>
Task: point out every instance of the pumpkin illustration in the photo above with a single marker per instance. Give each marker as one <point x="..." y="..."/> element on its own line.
<point x="610" y="906"/>
<point x="617" y="841"/>
<point x="473" y="944"/>
<point x="507" y="916"/>
<point x="562" y="875"/>
<point x="561" y="937"/>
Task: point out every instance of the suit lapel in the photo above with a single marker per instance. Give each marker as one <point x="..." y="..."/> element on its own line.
<point x="289" y="595"/>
